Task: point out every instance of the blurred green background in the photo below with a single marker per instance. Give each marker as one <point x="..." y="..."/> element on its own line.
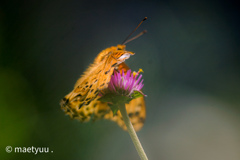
<point x="190" y="56"/>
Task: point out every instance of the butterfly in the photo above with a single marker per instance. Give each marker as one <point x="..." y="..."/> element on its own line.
<point x="82" y="102"/>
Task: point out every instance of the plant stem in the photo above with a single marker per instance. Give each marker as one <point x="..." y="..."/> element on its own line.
<point x="132" y="133"/>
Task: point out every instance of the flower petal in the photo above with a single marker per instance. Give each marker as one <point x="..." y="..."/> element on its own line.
<point x="125" y="84"/>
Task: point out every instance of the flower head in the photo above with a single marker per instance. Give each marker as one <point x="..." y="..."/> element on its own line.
<point x="125" y="84"/>
<point x="122" y="88"/>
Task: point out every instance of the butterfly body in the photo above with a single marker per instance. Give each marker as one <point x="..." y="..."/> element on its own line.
<point x="82" y="103"/>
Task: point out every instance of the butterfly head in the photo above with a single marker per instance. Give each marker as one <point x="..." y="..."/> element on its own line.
<point x="120" y="54"/>
<point x="121" y="47"/>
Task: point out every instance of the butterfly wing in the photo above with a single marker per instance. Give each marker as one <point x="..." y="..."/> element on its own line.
<point x="77" y="103"/>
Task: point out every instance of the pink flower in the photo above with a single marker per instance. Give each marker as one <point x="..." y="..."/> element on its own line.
<point x="125" y="84"/>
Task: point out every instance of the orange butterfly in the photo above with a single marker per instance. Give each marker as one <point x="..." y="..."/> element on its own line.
<point x="82" y="103"/>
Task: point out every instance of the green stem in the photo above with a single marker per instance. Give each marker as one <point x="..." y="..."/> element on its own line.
<point x="132" y="133"/>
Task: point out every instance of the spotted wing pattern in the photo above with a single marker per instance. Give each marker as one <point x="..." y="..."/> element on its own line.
<point x="96" y="78"/>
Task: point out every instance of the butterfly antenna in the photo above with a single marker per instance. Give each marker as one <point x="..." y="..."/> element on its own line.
<point x="135" y="37"/>
<point x="126" y="40"/>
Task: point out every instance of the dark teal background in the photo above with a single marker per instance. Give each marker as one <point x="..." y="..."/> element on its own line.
<point x="191" y="62"/>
